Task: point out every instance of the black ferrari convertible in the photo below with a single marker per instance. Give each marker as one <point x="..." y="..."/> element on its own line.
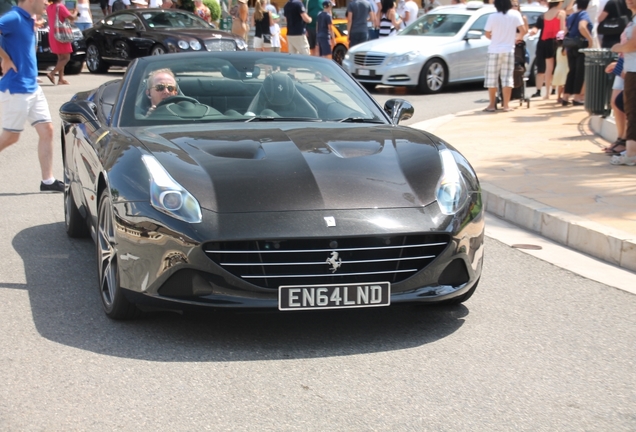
<point x="264" y="180"/>
<point x="125" y="35"/>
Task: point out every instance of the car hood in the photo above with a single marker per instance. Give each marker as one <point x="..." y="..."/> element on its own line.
<point x="313" y="167"/>
<point x="402" y="44"/>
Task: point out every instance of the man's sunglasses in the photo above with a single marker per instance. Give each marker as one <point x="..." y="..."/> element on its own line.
<point x="162" y="87"/>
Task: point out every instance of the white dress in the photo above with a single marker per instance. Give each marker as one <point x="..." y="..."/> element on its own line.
<point x="561" y="70"/>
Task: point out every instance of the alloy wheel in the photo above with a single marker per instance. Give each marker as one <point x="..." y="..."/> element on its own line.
<point x="435" y="76"/>
<point x="107" y="254"/>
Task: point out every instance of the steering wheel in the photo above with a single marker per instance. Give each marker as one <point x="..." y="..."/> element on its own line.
<point x="177" y="99"/>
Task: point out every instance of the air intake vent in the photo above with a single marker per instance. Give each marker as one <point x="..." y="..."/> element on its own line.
<point x="269" y="264"/>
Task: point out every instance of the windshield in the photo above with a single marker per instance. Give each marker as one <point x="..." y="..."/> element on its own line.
<point x="173" y="19"/>
<point x="242" y="87"/>
<point x="436" y="24"/>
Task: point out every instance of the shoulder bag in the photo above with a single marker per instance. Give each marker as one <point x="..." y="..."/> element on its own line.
<point x="613" y="26"/>
<point x="574" y="43"/>
<point x="62" y="31"/>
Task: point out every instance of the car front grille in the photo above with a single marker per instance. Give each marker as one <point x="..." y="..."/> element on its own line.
<point x="269" y="264"/>
<point x="220" y="45"/>
<point x="365" y="59"/>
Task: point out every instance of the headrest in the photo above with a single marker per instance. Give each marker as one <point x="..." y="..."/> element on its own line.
<point x="278" y="89"/>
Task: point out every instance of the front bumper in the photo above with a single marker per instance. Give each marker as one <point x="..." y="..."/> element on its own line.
<point x="162" y="261"/>
<point x="404" y="74"/>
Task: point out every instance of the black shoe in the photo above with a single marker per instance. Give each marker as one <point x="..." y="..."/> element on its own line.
<point x="553" y="92"/>
<point x="565" y="102"/>
<point x="56" y="186"/>
<point x="536" y="94"/>
<point x="577" y="103"/>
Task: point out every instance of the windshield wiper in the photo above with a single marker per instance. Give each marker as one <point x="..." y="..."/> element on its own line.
<point x="359" y="120"/>
<point x="272" y="118"/>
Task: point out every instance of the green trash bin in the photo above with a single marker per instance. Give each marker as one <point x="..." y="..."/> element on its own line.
<point x="598" y="84"/>
<point x="226" y="23"/>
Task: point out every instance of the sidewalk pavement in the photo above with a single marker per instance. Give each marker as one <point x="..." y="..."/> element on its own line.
<point x="542" y="168"/>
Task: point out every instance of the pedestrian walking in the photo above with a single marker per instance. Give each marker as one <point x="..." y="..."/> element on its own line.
<point x="502" y="28"/>
<point x="262" y="22"/>
<point x="84" y="16"/>
<point x="358" y="12"/>
<point x="579" y="26"/>
<point x="20" y="95"/>
<point x="297" y="17"/>
<point x="324" y="31"/>
<point x="63" y="50"/>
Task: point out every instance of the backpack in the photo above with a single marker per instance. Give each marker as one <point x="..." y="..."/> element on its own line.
<point x="118" y="5"/>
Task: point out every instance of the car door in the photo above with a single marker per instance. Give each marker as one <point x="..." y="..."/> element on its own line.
<point x="475" y="53"/>
<point x="120" y="36"/>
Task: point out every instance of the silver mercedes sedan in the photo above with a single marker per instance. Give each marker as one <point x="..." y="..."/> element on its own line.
<point x="447" y="45"/>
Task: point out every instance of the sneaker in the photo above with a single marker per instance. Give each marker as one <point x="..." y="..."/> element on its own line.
<point x="56" y="186"/>
<point x="623" y="160"/>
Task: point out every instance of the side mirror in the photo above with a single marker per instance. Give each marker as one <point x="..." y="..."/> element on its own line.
<point x="473" y="34"/>
<point x="398" y="110"/>
<point x="80" y="112"/>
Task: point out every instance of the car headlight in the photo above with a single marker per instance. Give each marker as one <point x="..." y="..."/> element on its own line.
<point x="168" y="196"/>
<point x="241" y="44"/>
<point x="183" y="45"/>
<point x="402" y="58"/>
<point x="451" y="189"/>
<point x="195" y="45"/>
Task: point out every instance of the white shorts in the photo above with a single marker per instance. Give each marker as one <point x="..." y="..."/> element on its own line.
<point x="20" y="107"/>
<point x="500" y="65"/>
<point x="619" y="83"/>
<point x="260" y="43"/>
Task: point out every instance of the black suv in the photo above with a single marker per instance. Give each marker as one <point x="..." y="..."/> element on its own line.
<point x="45" y="57"/>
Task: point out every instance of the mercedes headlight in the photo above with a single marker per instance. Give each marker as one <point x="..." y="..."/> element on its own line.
<point x="451" y="189"/>
<point x="402" y="58"/>
<point x="183" y="45"/>
<point x="168" y="196"/>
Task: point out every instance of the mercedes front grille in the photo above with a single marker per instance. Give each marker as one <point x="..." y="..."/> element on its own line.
<point x="366" y="59"/>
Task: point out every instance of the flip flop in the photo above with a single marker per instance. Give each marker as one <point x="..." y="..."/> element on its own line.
<point x="489" y="110"/>
<point x="52" y="79"/>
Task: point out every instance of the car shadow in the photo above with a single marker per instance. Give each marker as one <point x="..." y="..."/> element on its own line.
<point x="62" y="289"/>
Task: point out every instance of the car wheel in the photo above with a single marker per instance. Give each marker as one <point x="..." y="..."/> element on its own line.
<point x="158" y="50"/>
<point x="432" y="77"/>
<point x="75" y="224"/>
<point x="115" y="304"/>
<point x="462" y="298"/>
<point x="73" y="68"/>
<point x="94" y="61"/>
<point x="339" y="54"/>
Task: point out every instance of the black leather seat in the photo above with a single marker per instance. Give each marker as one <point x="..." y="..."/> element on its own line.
<point x="279" y="97"/>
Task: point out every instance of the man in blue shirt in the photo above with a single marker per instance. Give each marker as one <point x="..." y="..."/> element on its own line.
<point x="358" y="12"/>
<point x="21" y="96"/>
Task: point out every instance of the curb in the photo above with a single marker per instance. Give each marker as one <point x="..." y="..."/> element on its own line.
<point x="608" y="244"/>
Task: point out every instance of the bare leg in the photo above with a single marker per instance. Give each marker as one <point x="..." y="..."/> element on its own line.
<point x="492" y="96"/>
<point x="507" y="91"/>
<point x="549" y="67"/>
<point x="539" y="82"/>
<point x="8" y="138"/>
<point x="62" y="59"/>
<point x="45" y="149"/>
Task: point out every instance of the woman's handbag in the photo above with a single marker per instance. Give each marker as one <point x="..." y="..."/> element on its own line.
<point x="613" y="26"/>
<point x="574" y="43"/>
<point x="62" y="31"/>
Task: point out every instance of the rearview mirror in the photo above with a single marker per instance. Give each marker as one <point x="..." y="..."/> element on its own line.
<point x="473" y="34"/>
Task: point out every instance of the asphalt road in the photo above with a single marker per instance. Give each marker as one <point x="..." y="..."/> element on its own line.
<point x="536" y="348"/>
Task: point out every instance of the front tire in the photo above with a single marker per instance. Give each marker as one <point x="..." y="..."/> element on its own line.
<point x="73" y="68"/>
<point x="432" y="77"/>
<point x="339" y="53"/>
<point x="116" y="305"/>
<point x="75" y="224"/>
<point x="94" y="61"/>
<point x="158" y="50"/>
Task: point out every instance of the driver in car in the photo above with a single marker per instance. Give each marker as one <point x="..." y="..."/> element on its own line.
<point x="161" y="84"/>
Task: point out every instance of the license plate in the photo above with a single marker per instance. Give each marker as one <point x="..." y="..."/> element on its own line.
<point x="335" y="296"/>
<point x="365" y="72"/>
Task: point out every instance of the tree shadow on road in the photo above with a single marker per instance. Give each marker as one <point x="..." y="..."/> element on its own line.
<point x="62" y="286"/>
